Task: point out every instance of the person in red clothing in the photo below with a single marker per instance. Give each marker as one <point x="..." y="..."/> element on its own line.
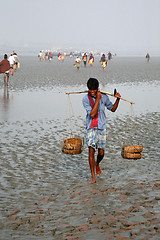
<point x="91" y="60"/>
<point x="4" y="68"/>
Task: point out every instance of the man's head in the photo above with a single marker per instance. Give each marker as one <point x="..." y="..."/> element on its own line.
<point x="92" y="84"/>
<point x="5" y="56"/>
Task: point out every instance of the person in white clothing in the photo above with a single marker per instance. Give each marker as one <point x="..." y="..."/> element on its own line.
<point x="16" y="61"/>
<point x="12" y="62"/>
<point x="77" y="63"/>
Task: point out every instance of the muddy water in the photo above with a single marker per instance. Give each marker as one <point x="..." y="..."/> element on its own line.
<point x="44" y="193"/>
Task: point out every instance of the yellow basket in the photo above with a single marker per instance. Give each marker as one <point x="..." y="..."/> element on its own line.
<point x="72" y="146"/>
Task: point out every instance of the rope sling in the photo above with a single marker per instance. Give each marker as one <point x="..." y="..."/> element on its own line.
<point x="131" y="150"/>
<point x="73" y="144"/>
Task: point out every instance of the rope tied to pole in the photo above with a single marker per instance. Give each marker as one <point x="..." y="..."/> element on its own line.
<point x="133" y="127"/>
<point x="73" y="144"/>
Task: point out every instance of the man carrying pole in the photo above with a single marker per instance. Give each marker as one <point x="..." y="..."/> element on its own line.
<point x="94" y="103"/>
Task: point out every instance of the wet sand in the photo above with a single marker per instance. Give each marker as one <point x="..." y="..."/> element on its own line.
<point x="45" y="194"/>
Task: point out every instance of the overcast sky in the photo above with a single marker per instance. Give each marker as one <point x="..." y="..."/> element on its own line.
<point x="122" y="26"/>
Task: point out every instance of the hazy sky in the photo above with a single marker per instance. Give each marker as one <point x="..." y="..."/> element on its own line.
<point x="122" y="26"/>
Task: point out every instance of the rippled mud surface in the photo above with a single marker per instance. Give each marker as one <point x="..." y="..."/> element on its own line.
<point x="45" y="194"/>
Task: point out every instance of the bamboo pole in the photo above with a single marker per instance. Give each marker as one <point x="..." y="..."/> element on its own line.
<point x="101" y="92"/>
<point x="76" y="92"/>
<point x="119" y="97"/>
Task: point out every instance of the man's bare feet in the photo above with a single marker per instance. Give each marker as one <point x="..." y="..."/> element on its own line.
<point x="98" y="170"/>
<point x="93" y="180"/>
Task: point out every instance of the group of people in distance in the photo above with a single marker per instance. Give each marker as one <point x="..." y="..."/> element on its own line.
<point x="9" y="65"/>
<point x="61" y="56"/>
<point x="47" y="56"/>
<point x="84" y="59"/>
<point x="103" y="60"/>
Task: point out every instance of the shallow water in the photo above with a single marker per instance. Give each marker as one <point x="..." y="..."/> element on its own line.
<point x="44" y="193"/>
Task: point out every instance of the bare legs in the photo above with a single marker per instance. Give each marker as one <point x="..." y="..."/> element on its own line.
<point x="99" y="159"/>
<point x="95" y="165"/>
<point x="92" y="164"/>
<point x="6" y="82"/>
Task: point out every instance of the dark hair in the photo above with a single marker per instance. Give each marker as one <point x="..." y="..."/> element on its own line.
<point x="5" y="56"/>
<point x="92" y="84"/>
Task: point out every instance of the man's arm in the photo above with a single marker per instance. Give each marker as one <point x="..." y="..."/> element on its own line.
<point x="96" y="105"/>
<point x="117" y="95"/>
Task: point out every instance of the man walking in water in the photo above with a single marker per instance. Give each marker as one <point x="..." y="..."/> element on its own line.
<point x="94" y="103"/>
<point x="4" y="68"/>
<point x="147" y="57"/>
<point x="85" y="59"/>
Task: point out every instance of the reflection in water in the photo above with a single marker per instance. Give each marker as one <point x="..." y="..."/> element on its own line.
<point x="5" y="104"/>
<point x="49" y="104"/>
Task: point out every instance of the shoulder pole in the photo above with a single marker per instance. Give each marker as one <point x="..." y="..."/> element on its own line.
<point x="103" y="93"/>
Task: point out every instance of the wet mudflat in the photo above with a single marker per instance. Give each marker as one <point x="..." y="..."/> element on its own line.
<point x="45" y="194"/>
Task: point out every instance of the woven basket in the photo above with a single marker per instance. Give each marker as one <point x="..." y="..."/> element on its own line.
<point x="133" y="148"/>
<point x="72" y="146"/>
<point x="132" y="152"/>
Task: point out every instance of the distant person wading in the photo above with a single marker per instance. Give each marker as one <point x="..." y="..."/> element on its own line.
<point x="147" y="57"/>
<point x="4" y="68"/>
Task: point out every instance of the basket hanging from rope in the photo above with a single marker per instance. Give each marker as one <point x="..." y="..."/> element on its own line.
<point x="131" y="151"/>
<point x="72" y="145"/>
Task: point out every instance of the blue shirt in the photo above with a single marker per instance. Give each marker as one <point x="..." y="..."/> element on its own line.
<point x="104" y="102"/>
